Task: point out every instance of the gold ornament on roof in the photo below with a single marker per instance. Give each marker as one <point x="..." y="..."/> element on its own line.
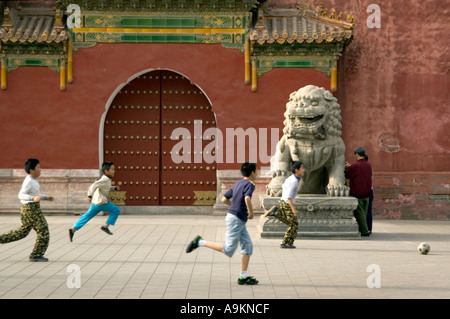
<point x="320" y="13"/>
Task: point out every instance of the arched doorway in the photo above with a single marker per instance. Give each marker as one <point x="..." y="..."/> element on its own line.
<point x="137" y="138"/>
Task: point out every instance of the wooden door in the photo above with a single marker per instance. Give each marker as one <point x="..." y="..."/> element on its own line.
<point x="137" y="138"/>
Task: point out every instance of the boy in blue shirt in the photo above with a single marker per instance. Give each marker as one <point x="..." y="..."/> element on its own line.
<point x="240" y="210"/>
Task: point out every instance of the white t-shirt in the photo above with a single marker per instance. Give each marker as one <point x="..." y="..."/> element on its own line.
<point x="290" y="188"/>
<point x="30" y="189"/>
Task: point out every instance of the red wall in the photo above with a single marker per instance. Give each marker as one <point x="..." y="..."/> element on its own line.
<point x="396" y="85"/>
<point x="394" y="93"/>
<point x="412" y="195"/>
<point x="392" y="88"/>
<point x="62" y="128"/>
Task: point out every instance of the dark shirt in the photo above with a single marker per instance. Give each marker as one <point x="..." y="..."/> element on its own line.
<point x="238" y="192"/>
<point x="360" y="176"/>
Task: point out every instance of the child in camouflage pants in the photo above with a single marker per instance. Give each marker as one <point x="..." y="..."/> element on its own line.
<point x="31" y="214"/>
<point x="287" y="213"/>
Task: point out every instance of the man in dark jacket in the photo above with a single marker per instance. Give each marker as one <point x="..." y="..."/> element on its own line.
<point x="360" y="176"/>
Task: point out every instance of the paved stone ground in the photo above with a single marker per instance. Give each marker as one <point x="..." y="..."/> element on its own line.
<point x="145" y="258"/>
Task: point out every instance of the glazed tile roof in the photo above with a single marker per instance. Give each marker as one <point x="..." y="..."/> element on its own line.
<point x="32" y="25"/>
<point x="300" y="25"/>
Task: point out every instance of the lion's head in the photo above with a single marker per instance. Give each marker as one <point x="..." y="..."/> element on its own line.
<point x="312" y="113"/>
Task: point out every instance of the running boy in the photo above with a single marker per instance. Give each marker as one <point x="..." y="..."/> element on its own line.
<point x="31" y="214"/>
<point x="98" y="197"/>
<point x="287" y="212"/>
<point x="239" y="211"/>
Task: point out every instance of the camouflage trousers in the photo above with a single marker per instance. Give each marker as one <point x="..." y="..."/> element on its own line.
<point x="32" y="218"/>
<point x="285" y="215"/>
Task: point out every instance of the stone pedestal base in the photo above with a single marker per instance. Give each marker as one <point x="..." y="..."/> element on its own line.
<point x="319" y="217"/>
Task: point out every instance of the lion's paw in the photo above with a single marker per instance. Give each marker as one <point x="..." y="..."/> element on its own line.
<point x="339" y="190"/>
<point x="274" y="192"/>
<point x="279" y="172"/>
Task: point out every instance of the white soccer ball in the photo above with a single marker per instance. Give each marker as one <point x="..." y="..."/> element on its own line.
<point x="424" y="248"/>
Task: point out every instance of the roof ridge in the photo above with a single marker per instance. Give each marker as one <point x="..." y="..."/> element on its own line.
<point x="303" y="24"/>
<point x="32" y="25"/>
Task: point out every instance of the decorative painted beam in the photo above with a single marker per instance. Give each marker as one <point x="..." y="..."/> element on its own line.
<point x="181" y="6"/>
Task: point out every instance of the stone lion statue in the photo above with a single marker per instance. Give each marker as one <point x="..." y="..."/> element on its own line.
<point x="312" y="135"/>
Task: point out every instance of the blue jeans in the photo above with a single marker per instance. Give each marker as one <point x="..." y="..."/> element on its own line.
<point x="113" y="210"/>
<point x="236" y="233"/>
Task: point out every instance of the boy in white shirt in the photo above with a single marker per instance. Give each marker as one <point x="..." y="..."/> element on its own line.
<point x="31" y="214"/>
<point x="98" y="197"/>
<point x="287" y="212"/>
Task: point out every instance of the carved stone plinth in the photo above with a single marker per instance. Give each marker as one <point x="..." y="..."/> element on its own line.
<point x="319" y="217"/>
